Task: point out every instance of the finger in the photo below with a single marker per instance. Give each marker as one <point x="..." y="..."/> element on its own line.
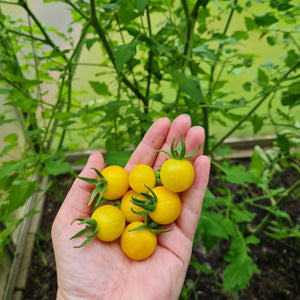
<point x="180" y="126"/>
<point x="76" y="202"/>
<point x="192" y="199"/>
<point x="180" y="240"/>
<point x="153" y="140"/>
<point x="194" y="138"/>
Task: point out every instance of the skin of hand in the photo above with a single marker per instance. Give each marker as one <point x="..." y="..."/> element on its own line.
<point x="100" y="270"/>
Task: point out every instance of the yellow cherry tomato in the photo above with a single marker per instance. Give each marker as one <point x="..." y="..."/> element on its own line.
<point x="177" y="175"/>
<point x="140" y="176"/>
<point x="168" y="206"/>
<point x="111" y="222"/>
<point x="117" y="182"/>
<point x="139" y="244"/>
<point x="127" y="205"/>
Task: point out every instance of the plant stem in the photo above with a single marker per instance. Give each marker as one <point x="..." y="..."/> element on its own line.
<point x="77" y="9"/>
<point x="99" y="30"/>
<point x="281" y="198"/>
<point x="255" y="107"/>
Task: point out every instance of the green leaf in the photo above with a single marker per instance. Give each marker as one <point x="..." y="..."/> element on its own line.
<point x="141" y="5"/>
<point x="283" y="143"/>
<point x="19" y="192"/>
<point x="90" y="42"/>
<point x="110" y="6"/>
<point x="240" y="214"/>
<point x="239" y="175"/>
<point x="262" y="77"/>
<point x="257" y="122"/>
<point x="266" y="19"/>
<point x="200" y="267"/>
<point x="241" y="267"/>
<point x="119" y="158"/>
<point x="281" y="5"/>
<point x="292" y="58"/>
<point x="123" y="54"/>
<point x="259" y="161"/>
<point x="247" y="86"/>
<point x="271" y="40"/>
<point x="100" y="88"/>
<point x="291" y="97"/>
<point x="56" y="167"/>
<point x="240" y="35"/>
<point x="250" y="24"/>
<point x="191" y="88"/>
<point x="13" y="166"/>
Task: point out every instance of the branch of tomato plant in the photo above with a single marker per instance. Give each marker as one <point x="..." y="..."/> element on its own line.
<point x="218" y="53"/>
<point x="77" y="9"/>
<point x="32" y="142"/>
<point x="26" y="35"/>
<point x="36" y="64"/>
<point x="40" y="26"/>
<point x="99" y="30"/>
<point x="266" y="93"/>
<point x="187" y="55"/>
<point x="123" y="40"/>
<point x="150" y="59"/>
<point x="267" y="218"/>
<point x="69" y="71"/>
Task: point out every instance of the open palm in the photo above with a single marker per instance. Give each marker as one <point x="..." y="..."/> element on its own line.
<point x="100" y="270"/>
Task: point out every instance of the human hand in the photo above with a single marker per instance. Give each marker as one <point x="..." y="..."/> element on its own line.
<point x="100" y="270"/>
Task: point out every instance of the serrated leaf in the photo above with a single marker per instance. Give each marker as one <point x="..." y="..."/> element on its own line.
<point x="123" y="54"/>
<point x="259" y="161"/>
<point x="19" y="192"/>
<point x="257" y="123"/>
<point x="90" y="42"/>
<point x="100" y="88"/>
<point x="188" y="86"/>
<point x="241" y="267"/>
<point x="239" y="175"/>
<point x="262" y="77"/>
<point x="266" y="19"/>
<point x="141" y="5"/>
<point x="56" y="167"/>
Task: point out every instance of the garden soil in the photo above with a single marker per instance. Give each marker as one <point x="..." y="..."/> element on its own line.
<point x="279" y="261"/>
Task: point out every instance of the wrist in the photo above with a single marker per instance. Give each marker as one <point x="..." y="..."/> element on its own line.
<point x="59" y="296"/>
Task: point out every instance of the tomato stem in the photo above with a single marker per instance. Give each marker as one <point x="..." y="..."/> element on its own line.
<point x="100" y="188"/>
<point x="178" y="152"/>
<point x="148" y="205"/>
<point x="91" y="229"/>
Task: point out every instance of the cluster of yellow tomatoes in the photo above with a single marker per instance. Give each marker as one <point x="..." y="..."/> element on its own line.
<point x="144" y="199"/>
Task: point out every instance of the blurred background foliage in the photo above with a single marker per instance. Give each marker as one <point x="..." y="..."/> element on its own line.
<point x="77" y="75"/>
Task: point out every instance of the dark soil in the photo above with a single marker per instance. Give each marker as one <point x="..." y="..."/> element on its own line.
<point x="279" y="261"/>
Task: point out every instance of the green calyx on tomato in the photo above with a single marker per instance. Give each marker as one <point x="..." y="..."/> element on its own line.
<point x="148" y="205"/>
<point x="151" y="226"/>
<point x="100" y="188"/>
<point x="91" y="229"/>
<point x="178" y="152"/>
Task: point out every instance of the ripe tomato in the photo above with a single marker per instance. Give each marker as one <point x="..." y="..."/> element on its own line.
<point x="117" y="182"/>
<point x="138" y="244"/>
<point x="140" y="176"/>
<point x="168" y="206"/>
<point x="177" y="175"/>
<point x="127" y="205"/>
<point x="111" y="222"/>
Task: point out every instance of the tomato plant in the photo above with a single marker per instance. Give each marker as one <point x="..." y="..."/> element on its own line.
<point x="129" y="209"/>
<point x="140" y="177"/>
<point x="177" y="173"/>
<point x="137" y="241"/>
<point x="106" y="223"/>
